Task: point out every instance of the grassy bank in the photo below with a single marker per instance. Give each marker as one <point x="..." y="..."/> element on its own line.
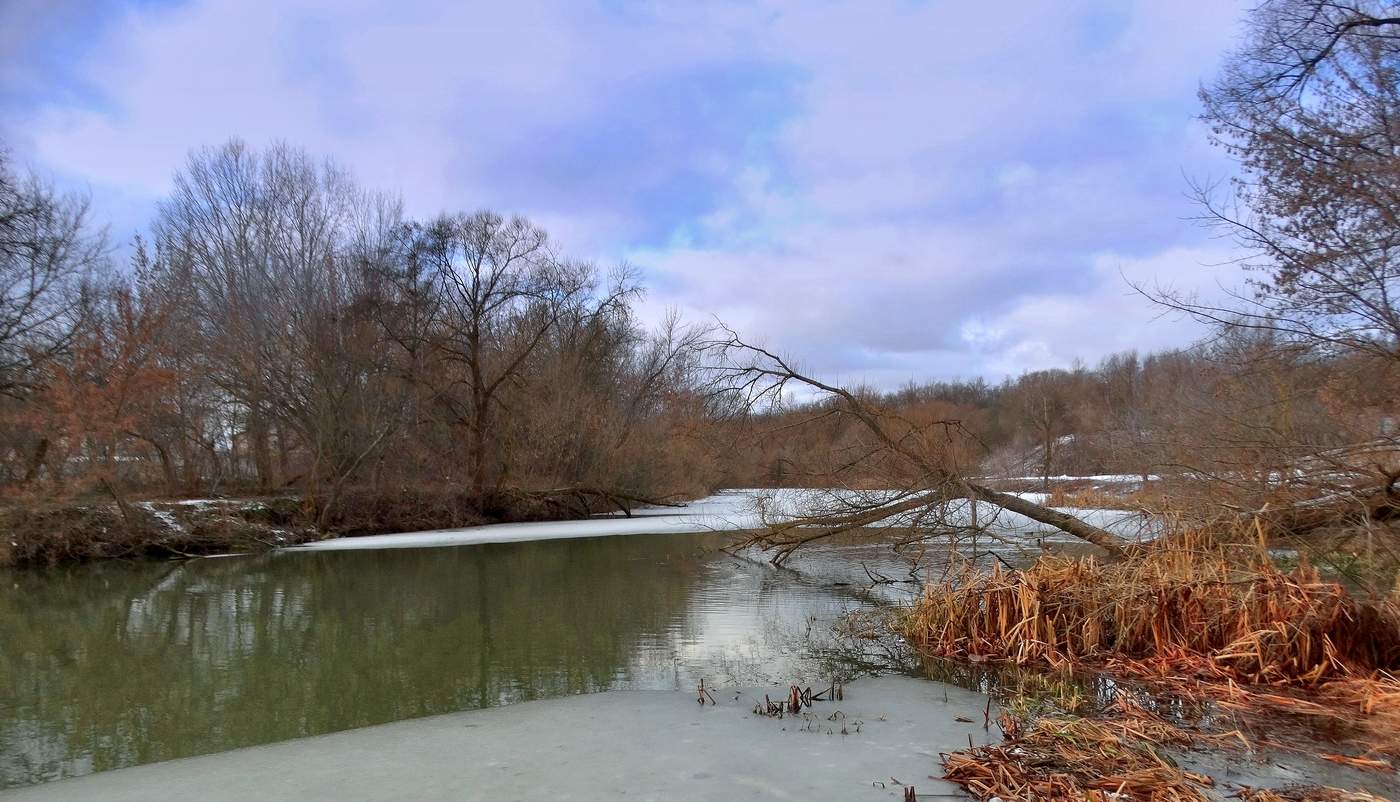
<point x="1197" y="617"/>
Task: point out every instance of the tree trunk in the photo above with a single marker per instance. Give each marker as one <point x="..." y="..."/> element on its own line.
<point x="167" y="468"/>
<point x="283" y="457"/>
<point x="36" y="461"/>
<point x="1045" y="465"/>
<point x="1069" y="524"/>
<point x="479" y="457"/>
<point x="262" y="455"/>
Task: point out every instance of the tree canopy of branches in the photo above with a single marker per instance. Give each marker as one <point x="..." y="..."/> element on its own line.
<point x="48" y="249"/>
<point x="1308" y="106"/>
<point x="283" y="328"/>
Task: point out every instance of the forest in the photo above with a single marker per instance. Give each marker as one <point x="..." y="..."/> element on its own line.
<point x="279" y="331"/>
<point x="282" y="332"/>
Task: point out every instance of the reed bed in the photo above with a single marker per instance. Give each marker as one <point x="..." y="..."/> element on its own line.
<point x="1185" y="606"/>
<point x="1198" y="618"/>
<point x="1057" y="759"/>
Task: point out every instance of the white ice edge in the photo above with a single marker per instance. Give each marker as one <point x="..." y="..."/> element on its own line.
<point x="728" y="511"/>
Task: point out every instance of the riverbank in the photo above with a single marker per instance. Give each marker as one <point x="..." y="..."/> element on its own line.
<point x="53" y="533"/>
<point x="39" y="533"/>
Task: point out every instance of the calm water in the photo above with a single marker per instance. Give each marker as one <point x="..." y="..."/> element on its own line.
<point x="117" y="664"/>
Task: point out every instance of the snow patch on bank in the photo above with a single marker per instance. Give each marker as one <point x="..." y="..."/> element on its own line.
<point x="170" y="521"/>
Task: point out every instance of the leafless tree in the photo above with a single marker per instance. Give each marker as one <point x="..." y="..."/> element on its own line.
<point x="275" y="252"/>
<point x="499" y="292"/>
<point x="1308" y="106"/>
<point x="48" y="251"/>
<point x="757" y="375"/>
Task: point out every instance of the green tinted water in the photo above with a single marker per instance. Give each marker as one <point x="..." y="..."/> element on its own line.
<point x="116" y="664"/>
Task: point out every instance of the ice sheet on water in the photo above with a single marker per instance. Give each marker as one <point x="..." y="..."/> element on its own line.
<point x="1102" y="478"/>
<point x="734" y="510"/>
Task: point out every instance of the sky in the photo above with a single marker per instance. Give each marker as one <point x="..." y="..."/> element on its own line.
<point x="886" y="190"/>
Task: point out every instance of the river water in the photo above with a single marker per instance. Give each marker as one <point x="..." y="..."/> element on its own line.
<point x="122" y="663"/>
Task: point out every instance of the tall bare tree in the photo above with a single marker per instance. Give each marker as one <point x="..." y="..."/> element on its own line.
<point x="499" y="292"/>
<point x="275" y="252"/>
<point x="1308" y="105"/>
<point x="48" y="251"/>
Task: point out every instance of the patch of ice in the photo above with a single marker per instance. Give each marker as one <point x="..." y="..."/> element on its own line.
<point x="734" y="510"/>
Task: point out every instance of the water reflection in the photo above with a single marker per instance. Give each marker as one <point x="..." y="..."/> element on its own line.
<point x="117" y="664"/>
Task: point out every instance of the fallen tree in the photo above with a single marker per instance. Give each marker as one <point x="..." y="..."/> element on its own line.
<point x="752" y="376"/>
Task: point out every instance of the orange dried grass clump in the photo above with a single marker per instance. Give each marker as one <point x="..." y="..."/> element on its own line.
<point x="1182" y="605"/>
<point x="1061" y="759"/>
<point x="1306" y="793"/>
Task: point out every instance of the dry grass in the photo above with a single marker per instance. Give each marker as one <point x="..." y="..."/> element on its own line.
<point x="1057" y="759"/>
<point x="1306" y="793"/>
<point x="1203" y="620"/>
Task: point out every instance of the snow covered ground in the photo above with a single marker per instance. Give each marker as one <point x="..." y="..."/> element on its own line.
<point x="733" y="510"/>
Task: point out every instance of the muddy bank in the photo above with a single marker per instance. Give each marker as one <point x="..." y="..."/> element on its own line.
<point x="54" y="532"/>
<point x="633" y="744"/>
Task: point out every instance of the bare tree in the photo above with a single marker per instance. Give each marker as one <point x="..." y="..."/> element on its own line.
<point x="276" y="253"/>
<point x="1308" y="106"/>
<point x="499" y="292"/>
<point x="1044" y="406"/>
<point x="757" y="375"/>
<point x="48" y="251"/>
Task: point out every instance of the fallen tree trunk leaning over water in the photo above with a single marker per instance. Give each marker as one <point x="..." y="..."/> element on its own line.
<point x="761" y="375"/>
<point x="1062" y="521"/>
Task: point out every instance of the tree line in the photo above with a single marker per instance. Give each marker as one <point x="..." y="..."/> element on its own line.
<point x="1243" y="410"/>
<point x="281" y="328"/>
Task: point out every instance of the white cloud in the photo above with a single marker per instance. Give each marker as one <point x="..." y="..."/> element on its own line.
<point x="888" y="189"/>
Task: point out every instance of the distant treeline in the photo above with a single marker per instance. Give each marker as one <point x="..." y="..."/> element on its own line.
<point x="1247" y="410"/>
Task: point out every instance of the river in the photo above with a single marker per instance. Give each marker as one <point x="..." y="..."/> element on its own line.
<point x="123" y="663"/>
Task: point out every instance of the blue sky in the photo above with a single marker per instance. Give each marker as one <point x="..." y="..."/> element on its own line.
<point x="886" y="190"/>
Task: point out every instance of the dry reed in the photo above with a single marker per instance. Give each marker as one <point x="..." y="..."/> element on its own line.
<point x="1056" y="759"/>
<point x="1185" y="605"/>
<point x="1204" y="619"/>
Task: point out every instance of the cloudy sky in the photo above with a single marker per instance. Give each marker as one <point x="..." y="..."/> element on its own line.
<point x="888" y="190"/>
